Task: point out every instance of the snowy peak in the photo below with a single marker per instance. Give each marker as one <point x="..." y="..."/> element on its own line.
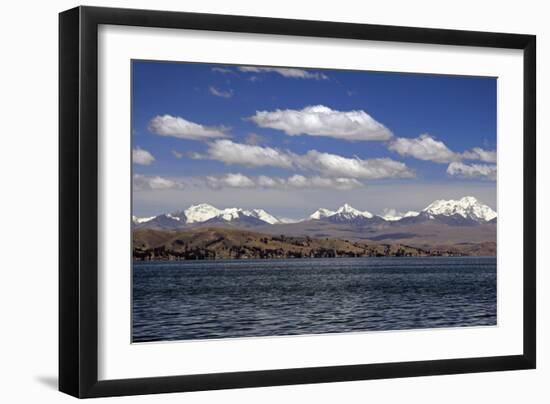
<point x="346" y="208"/>
<point x="201" y="213"/>
<point x="263" y="215"/>
<point x="138" y="220"/>
<point x="391" y="215"/>
<point x="467" y="207"/>
<point x="467" y="210"/>
<point x="230" y="214"/>
<point x="344" y="212"/>
<point x="321" y="214"/>
<point x="164" y="221"/>
<point x="411" y="213"/>
<point x="348" y="212"/>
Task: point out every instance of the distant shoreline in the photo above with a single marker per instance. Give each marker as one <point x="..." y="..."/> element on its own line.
<point x="297" y="259"/>
<point x="225" y="243"/>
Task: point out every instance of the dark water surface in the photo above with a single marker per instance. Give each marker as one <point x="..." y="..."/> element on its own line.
<point x="248" y="298"/>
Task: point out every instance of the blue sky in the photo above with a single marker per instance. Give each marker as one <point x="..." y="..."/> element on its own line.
<point x="290" y="140"/>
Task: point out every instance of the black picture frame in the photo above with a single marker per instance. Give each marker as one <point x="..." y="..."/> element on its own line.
<point x="78" y="201"/>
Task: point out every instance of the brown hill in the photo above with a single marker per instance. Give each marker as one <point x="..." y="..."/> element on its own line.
<point x="227" y="243"/>
<point x="423" y="234"/>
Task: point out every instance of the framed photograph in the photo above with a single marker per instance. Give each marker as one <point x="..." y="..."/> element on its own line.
<point x="252" y="202"/>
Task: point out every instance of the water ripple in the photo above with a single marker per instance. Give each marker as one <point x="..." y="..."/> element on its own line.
<point x="189" y="300"/>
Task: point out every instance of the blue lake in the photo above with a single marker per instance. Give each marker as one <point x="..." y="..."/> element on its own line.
<point x="189" y="300"/>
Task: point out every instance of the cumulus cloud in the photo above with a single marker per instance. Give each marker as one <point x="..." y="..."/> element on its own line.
<point x="477" y="153"/>
<point x="168" y="125"/>
<point x="229" y="152"/>
<point x="299" y="181"/>
<point x="426" y="147"/>
<point x="231" y="181"/>
<point x="154" y="183"/>
<point x="142" y="157"/>
<point x="270" y="182"/>
<point x="285" y="72"/>
<point x="220" y="93"/>
<point x="327" y="164"/>
<point x="333" y="165"/>
<point x="319" y="120"/>
<point x="459" y="169"/>
<point x="296" y="181"/>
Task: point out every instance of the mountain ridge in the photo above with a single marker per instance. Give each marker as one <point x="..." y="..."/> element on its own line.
<point x="467" y="211"/>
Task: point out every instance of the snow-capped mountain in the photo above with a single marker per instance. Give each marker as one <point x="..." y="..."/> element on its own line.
<point x="138" y="220"/>
<point x="288" y="220"/>
<point x="263" y="215"/>
<point x="411" y="213"/>
<point x="205" y="213"/>
<point x="391" y="215"/>
<point x="467" y="207"/>
<point x="200" y="213"/>
<point x="467" y="210"/>
<point x="348" y="212"/>
<point x="321" y="213"/>
<point x="165" y="221"/>
<point x="345" y="213"/>
<point x="463" y="212"/>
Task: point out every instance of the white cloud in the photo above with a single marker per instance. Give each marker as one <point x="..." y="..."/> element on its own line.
<point x="231" y="181"/>
<point x="333" y="165"/>
<point x="142" y="157"/>
<point x="154" y="183"/>
<point x="168" y="125"/>
<point x="220" y="93"/>
<point x="477" y="153"/>
<point x="229" y="152"/>
<point x="299" y="181"/>
<point x="294" y="182"/>
<point x="347" y="183"/>
<point x="270" y="182"/>
<point x="458" y="169"/>
<point x="285" y="72"/>
<point x="327" y="164"/>
<point x="320" y="120"/>
<point x="424" y="147"/>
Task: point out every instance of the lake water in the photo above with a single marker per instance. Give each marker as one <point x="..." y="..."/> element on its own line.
<point x="189" y="300"/>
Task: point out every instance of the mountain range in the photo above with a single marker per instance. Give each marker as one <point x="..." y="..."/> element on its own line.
<point x="465" y="211"/>
<point x="441" y="223"/>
